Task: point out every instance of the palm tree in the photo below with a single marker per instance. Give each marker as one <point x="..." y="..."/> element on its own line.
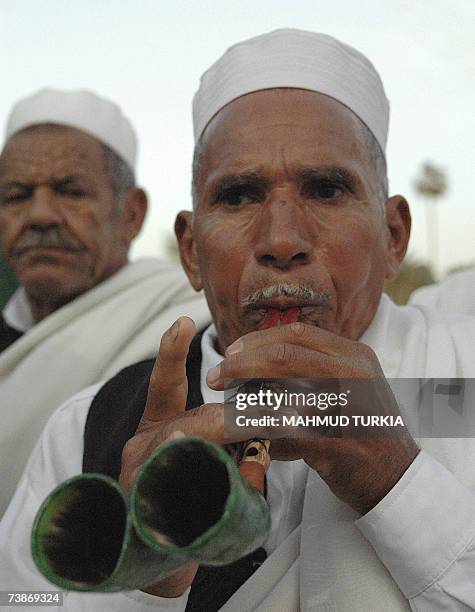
<point x="431" y="185"/>
<point x="412" y="275"/>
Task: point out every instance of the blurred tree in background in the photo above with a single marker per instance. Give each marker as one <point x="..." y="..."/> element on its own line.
<point x="431" y="184"/>
<point x="412" y="274"/>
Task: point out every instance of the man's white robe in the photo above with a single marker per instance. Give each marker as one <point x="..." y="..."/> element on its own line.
<point x="334" y="560"/>
<point x="115" y="324"/>
<point x="328" y="563"/>
<point x="454" y="295"/>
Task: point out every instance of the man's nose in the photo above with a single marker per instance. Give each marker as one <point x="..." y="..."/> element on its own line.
<point x="283" y="241"/>
<point x="43" y="211"/>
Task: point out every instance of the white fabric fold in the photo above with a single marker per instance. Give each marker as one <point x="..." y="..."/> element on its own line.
<point x="340" y="569"/>
<point x="117" y="323"/>
<point x="395" y="534"/>
<point x="275" y="585"/>
<point x="455" y="294"/>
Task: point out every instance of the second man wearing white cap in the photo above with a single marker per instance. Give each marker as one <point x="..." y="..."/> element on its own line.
<point x="69" y="211"/>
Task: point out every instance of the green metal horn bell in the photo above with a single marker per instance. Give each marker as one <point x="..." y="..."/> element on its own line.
<point x="189" y="502"/>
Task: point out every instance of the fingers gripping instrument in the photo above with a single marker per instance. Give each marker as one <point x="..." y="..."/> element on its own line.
<point x="255" y="456"/>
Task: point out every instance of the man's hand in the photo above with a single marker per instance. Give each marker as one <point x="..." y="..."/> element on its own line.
<point x="359" y="470"/>
<point x="165" y="411"/>
<point x="166" y="403"/>
<point x="165" y="414"/>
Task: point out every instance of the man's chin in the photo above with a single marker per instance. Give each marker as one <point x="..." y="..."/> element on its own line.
<point x="52" y="283"/>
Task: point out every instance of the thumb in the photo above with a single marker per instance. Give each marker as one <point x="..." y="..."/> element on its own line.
<point x="168" y="386"/>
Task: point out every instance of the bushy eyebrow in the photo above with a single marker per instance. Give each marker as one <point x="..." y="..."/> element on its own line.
<point x="333" y="174"/>
<point x="60" y="182"/>
<point x="16" y="185"/>
<point x="258" y="182"/>
<point x="250" y="180"/>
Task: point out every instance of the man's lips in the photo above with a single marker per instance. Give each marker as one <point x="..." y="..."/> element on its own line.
<point x="46" y="249"/>
<point x="275" y="316"/>
<point x="273" y="313"/>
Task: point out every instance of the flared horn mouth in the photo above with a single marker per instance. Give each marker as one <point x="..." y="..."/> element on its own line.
<point x="190" y="499"/>
<point x="78" y="532"/>
<point x="189" y="503"/>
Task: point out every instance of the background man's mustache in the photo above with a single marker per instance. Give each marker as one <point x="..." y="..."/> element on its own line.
<point x="46" y="238"/>
<point x="303" y="292"/>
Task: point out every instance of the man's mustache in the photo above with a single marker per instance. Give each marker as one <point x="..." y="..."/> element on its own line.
<point x="304" y="293"/>
<point x="51" y="238"/>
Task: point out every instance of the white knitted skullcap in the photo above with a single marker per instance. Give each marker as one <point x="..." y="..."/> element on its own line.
<point x="297" y="59"/>
<point x="80" y="109"/>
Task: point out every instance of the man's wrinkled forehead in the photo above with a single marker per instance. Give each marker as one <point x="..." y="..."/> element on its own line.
<point x="286" y="107"/>
<point x="297" y="59"/>
<point x="48" y="149"/>
<point x="298" y="127"/>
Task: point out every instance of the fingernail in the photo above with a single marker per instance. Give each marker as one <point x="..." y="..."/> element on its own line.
<point x="176" y="435"/>
<point x="174" y="330"/>
<point x="235" y="347"/>
<point x="213" y="375"/>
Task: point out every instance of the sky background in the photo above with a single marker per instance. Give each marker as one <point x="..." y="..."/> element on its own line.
<point x="148" y="55"/>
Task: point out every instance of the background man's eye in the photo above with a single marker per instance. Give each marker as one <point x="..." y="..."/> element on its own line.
<point x="13" y="198"/>
<point x="74" y="192"/>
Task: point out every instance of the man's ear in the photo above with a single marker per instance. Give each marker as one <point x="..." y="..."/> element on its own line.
<point x="187" y="247"/>
<point x="398" y="221"/>
<point x="133" y="211"/>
